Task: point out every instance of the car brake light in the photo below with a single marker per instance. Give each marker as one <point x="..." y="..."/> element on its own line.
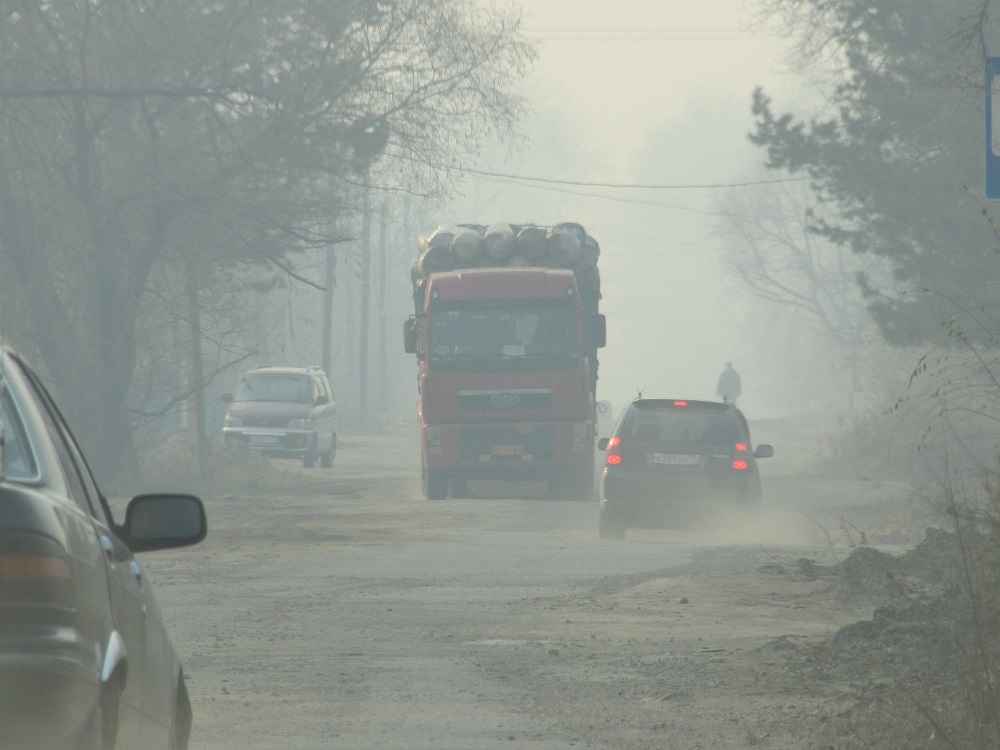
<point x="741" y="447"/>
<point x="614" y="441"/>
<point x="614" y="459"/>
<point x="680" y="403"/>
<point x="33" y="566"/>
<point x="739" y="464"/>
<point x="36" y="580"/>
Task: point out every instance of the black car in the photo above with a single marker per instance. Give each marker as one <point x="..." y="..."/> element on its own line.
<point x="85" y="660"/>
<point x="672" y="459"/>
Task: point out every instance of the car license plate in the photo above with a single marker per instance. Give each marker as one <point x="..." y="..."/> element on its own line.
<point x="674" y="459"/>
<point x="506" y="451"/>
<point x="263" y="440"/>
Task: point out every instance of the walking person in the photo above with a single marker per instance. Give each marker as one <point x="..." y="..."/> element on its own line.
<point x="729" y="388"/>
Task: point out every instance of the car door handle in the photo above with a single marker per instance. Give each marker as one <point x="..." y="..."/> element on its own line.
<point x="108" y="547"/>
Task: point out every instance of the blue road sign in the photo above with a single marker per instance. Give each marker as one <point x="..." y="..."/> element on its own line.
<point x="992" y="136"/>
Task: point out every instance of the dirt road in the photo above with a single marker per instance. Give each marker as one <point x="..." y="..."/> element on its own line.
<point x="370" y="618"/>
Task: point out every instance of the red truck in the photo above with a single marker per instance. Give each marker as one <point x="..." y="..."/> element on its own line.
<point x="507" y="359"/>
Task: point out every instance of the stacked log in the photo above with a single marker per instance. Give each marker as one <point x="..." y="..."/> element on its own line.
<point x="503" y="245"/>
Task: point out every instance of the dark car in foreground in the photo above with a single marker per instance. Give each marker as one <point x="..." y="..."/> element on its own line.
<point x="85" y="660"/>
<point x="669" y="460"/>
<point x="284" y="412"/>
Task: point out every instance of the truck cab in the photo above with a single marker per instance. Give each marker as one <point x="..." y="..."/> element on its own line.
<point x="506" y="383"/>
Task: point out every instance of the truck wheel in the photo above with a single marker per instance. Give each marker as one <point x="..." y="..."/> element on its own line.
<point x="565" y="485"/>
<point x="611" y="525"/>
<point x="309" y="460"/>
<point x="435" y="484"/>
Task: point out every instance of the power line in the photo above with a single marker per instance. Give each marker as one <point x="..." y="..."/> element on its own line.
<point x="634" y="186"/>
<point x="643" y="35"/>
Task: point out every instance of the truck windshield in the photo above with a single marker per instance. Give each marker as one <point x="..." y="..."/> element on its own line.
<point x="528" y="338"/>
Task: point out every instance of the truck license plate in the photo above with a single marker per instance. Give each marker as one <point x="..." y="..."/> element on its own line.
<point x="507" y="450"/>
<point x="263" y="440"/>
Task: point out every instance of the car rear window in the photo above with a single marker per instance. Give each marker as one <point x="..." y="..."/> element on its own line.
<point x="682" y="422"/>
<point x="19" y="461"/>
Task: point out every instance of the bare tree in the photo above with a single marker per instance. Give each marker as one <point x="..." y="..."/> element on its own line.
<point x="133" y="131"/>
<point x="773" y="252"/>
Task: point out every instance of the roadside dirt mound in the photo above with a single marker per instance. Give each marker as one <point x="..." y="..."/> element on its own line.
<point x="922" y="670"/>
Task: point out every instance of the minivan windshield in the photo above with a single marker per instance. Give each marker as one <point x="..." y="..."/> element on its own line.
<point x="275" y="387"/>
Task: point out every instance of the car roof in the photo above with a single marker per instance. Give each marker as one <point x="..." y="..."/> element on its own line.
<point x="663" y="404"/>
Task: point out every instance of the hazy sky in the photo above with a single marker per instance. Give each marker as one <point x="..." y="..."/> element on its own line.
<point x="631" y="65"/>
<point x="633" y="92"/>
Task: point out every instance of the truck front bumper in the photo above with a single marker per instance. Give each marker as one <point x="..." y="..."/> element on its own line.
<point x="517" y="449"/>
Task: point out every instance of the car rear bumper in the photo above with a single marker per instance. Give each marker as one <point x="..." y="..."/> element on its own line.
<point x="651" y="493"/>
<point x="49" y="694"/>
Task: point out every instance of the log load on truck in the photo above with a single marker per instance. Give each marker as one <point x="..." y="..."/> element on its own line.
<point x="505" y="330"/>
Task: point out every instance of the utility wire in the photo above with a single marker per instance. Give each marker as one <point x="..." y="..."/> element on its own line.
<point x="633" y="186"/>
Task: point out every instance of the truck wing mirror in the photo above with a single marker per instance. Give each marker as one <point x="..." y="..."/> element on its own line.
<point x="596" y="330"/>
<point x="410" y="330"/>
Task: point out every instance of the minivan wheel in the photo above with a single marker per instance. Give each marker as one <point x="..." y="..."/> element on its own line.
<point x="326" y="460"/>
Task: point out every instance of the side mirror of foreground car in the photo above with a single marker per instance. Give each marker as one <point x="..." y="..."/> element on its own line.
<point x="164" y="521"/>
<point x="763" y="451"/>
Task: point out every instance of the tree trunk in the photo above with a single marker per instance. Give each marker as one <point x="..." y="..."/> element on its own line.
<point x="196" y="372"/>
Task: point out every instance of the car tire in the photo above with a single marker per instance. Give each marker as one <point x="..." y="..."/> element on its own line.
<point x="611" y="524"/>
<point x="309" y="460"/>
<point x="435" y="484"/>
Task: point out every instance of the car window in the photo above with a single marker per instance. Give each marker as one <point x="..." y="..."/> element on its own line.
<point x="19" y="461"/>
<point x="683" y="424"/>
<point x="76" y="474"/>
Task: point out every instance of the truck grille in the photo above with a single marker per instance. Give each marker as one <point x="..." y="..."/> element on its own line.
<point x="504" y="400"/>
<point x="502" y="442"/>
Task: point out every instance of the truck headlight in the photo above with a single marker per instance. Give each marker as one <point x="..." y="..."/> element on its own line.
<point x="300" y="424"/>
